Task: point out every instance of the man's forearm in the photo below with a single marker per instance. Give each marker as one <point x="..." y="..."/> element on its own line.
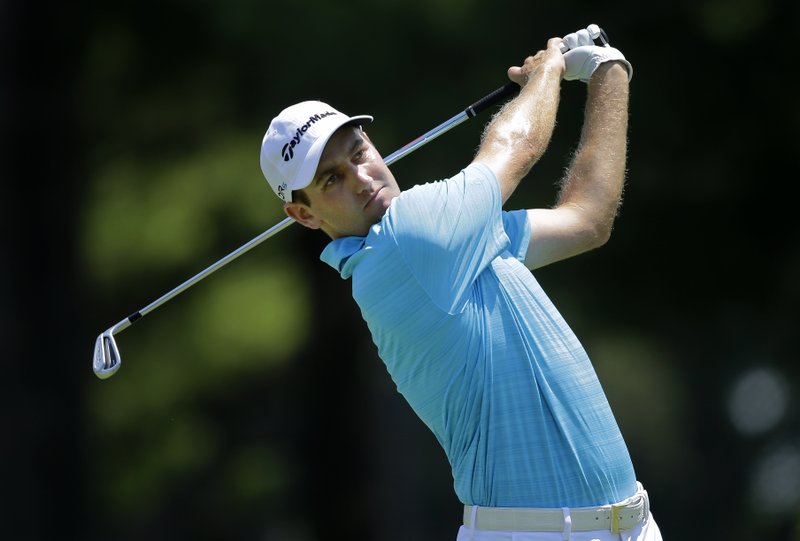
<point x="594" y="181"/>
<point x="518" y="135"/>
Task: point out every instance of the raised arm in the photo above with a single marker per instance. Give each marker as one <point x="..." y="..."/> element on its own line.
<point x="591" y="189"/>
<point x="518" y="135"/>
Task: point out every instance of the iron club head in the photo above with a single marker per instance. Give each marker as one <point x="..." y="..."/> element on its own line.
<point x="106" y="355"/>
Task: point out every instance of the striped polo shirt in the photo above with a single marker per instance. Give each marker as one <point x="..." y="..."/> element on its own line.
<point x="479" y="351"/>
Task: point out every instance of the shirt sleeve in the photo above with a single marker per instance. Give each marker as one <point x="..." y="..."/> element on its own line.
<point x="448" y="232"/>
<point x="518" y="228"/>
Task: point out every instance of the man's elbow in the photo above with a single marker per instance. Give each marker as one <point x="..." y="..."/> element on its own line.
<point x="597" y="235"/>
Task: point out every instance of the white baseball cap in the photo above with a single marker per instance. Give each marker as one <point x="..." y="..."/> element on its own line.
<point x="293" y="144"/>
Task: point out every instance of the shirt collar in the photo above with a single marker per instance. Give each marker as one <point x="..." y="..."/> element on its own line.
<point x="339" y="254"/>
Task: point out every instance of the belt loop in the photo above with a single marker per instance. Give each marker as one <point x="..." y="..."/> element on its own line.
<point x="473" y="515"/>
<point x="567" y="532"/>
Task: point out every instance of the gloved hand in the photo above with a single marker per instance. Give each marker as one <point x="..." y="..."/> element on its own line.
<point x="583" y="56"/>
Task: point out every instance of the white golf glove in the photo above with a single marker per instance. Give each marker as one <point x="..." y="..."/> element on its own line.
<point x="583" y="56"/>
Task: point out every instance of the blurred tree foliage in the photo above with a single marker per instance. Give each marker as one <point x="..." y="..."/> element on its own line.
<point x="255" y="406"/>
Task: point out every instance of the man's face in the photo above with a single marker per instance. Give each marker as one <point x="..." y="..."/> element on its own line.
<point x="351" y="189"/>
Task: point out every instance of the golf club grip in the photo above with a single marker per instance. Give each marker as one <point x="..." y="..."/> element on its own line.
<point x="511" y="89"/>
<point x="498" y="96"/>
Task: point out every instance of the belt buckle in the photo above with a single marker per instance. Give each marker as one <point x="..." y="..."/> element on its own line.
<point x="625" y="516"/>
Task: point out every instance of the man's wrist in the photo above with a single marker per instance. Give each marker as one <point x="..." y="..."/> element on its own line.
<point x="611" y="68"/>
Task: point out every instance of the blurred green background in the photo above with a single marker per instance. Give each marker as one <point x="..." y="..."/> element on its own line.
<point x="254" y="407"/>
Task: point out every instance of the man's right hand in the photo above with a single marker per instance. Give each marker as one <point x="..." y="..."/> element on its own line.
<point x="550" y="57"/>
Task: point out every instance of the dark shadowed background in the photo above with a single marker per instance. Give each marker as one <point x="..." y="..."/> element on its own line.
<point x="253" y="407"/>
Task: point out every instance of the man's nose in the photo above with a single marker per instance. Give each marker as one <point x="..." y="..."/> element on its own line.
<point x="363" y="178"/>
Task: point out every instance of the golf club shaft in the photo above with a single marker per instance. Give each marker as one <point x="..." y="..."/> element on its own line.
<point x="494" y="98"/>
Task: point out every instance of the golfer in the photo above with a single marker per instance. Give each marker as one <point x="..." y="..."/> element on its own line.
<point x="442" y="276"/>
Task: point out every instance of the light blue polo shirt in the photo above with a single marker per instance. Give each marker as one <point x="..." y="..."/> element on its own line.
<point x="479" y="351"/>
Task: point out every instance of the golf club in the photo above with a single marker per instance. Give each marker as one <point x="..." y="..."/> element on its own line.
<point x="106" y="360"/>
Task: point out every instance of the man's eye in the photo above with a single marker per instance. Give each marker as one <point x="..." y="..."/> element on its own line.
<point x="331" y="180"/>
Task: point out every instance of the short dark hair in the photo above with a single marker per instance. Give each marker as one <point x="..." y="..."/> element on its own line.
<point x="299" y="196"/>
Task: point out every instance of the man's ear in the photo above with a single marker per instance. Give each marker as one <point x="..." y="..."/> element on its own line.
<point x="302" y="214"/>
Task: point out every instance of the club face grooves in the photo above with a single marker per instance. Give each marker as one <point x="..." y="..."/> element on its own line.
<point x="106" y="356"/>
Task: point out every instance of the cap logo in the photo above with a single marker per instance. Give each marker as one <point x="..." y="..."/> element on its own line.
<point x="282" y="191"/>
<point x="287" y="152"/>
